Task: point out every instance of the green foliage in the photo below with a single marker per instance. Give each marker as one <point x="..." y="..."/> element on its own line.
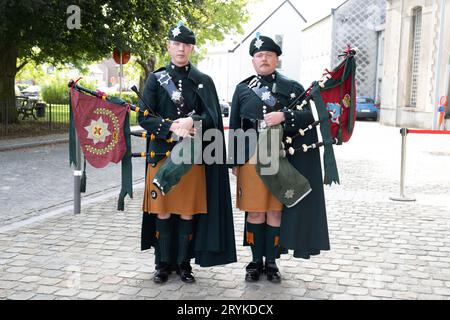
<point x="37" y="30"/>
<point x="128" y="96"/>
<point x="55" y="91"/>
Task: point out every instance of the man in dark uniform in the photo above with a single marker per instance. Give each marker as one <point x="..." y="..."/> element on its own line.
<point x="272" y="228"/>
<point x="194" y="219"/>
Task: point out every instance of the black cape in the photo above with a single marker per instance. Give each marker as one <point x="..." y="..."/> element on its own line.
<point x="214" y="241"/>
<point x="304" y="227"/>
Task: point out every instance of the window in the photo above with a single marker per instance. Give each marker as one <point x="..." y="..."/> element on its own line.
<point x="279" y="41"/>
<point x="417" y="35"/>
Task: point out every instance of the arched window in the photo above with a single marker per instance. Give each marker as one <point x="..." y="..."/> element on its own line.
<point x="416" y="40"/>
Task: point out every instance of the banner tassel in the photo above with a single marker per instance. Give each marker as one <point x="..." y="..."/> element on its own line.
<point x="83" y="178"/>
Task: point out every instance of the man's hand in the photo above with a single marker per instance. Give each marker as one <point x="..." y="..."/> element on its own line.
<point x="183" y="127"/>
<point x="274" y="118"/>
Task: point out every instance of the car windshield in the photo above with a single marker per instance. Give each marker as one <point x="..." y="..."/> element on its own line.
<point x="363" y="100"/>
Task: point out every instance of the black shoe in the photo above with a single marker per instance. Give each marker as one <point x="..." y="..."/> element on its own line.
<point x="161" y="274"/>
<point x="185" y="272"/>
<point x="253" y="271"/>
<point x="272" y="272"/>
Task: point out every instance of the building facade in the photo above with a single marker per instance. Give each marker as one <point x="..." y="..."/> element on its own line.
<point x="358" y="23"/>
<point x="229" y="63"/>
<point x="417" y="63"/>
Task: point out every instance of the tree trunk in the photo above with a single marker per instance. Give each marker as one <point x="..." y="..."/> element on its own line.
<point x="148" y="66"/>
<point x="8" y="70"/>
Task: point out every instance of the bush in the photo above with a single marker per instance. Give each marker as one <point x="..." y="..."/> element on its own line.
<point x="127" y="96"/>
<point x="55" y="90"/>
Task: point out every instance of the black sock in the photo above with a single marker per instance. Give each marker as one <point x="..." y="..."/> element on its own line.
<point x="164" y="235"/>
<point x="185" y="234"/>
<point x="272" y="243"/>
<point x="255" y="238"/>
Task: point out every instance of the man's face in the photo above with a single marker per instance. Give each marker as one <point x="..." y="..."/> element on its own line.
<point x="265" y="62"/>
<point x="179" y="52"/>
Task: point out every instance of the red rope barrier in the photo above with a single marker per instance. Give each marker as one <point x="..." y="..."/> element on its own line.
<point x="429" y="131"/>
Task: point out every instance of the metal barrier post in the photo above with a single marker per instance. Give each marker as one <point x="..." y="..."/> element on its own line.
<point x="77" y="179"/>
<point x="402" y="197"/>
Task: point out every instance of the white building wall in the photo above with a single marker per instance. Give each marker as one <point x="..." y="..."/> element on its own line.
<point x="317" y="55"/>
<point x="396" y="109"/>
<point x="229" y="68"/>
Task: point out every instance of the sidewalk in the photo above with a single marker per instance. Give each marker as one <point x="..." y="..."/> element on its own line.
<point x="29" y="142"/>
<point x="380" y="249"/>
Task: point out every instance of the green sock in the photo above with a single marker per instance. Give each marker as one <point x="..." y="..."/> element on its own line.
<point x="272" y="243"/>
<point x="255" y="238"/>
<point x="164" y="235"/>
<point x="185" y="233"/>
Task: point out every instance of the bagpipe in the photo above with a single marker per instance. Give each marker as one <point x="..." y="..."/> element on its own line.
<point x="101" y="123"/>
<point x="334" y="97"/>
<point x="170" y="173"/>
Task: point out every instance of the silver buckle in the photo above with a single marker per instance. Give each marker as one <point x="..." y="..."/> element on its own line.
<point x="164" y="78"/>
<point x="261" y="125"/>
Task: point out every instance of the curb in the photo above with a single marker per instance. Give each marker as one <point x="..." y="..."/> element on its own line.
<point x="33" y="144"/>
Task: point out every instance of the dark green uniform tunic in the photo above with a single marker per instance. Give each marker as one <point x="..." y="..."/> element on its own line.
<point x="214" y="242"/>
<point x="303" y="227"/>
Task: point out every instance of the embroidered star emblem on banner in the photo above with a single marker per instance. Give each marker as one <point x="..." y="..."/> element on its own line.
<point x="176" y="95"/>
<point x="265" y="96"/>
<point x="97" y="130"/>
<point x="258" y="43"/>
<point x="289" y="194"/>
<point x="176" y="31"/>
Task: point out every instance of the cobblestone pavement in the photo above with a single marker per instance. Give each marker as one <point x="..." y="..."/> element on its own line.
<point x="41" y="173"/>
<point x="380" y="249"/>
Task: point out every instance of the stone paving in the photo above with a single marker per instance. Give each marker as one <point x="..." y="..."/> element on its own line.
<point x="380" y="249"/>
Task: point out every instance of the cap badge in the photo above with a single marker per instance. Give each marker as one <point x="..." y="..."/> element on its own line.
<point x="258" y="43"/>
<point x="176" y="31"/>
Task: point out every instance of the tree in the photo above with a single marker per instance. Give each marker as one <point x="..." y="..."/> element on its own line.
<point x="210" y="20"/>
<point x="46" y="31"/>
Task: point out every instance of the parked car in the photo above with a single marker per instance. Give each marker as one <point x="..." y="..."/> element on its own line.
<point x="366" y="108"/>
<point x="224" y="107"/>
<point x="32" y="92"/>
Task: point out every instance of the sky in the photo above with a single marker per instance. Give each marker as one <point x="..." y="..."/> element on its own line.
<point x="311" y="10"/>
